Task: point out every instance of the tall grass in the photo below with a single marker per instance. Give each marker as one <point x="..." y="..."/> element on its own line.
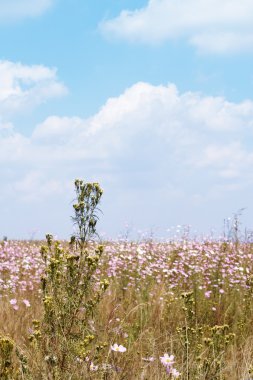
<point x="144" y="310"/>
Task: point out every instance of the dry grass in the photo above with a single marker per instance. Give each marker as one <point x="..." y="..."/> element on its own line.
<point x="150" y="319"/>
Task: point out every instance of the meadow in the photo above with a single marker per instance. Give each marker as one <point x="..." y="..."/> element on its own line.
<point x="125" y="310"/>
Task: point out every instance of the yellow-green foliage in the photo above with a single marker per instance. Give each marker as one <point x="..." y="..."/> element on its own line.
<point x="69" y="292"/>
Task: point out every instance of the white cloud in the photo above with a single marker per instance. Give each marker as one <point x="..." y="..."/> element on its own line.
<point x="12" y="148"/>
<point x="223" y="42"/>
<point x="24" y="86"/>
<point x="210" y="25"/>
<point x="11" y="10"/>
<point x="151" y="142"/>
<point x="35" y="186"/>
<point x="231" y="160"/>
<point x="146" y="129"/>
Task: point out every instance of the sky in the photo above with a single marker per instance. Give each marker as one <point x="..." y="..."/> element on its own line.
<point x="151" y="98"/>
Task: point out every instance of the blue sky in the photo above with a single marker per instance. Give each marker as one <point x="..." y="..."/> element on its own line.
<point x="153" y="99"/>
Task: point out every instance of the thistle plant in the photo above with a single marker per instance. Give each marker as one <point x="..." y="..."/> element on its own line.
<point x="6" y="358"/>
<point x="88" y="196"/>
<point x="71" y="292"/>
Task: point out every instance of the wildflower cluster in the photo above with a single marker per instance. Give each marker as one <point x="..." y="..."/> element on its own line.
<point x="194" y="297"/>
<point x="168" y="362"/>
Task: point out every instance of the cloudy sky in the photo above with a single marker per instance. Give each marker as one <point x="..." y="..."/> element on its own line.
<point x="153" y="99"/>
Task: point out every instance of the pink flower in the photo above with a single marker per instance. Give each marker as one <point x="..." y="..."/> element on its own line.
<point x="175" y="374"/>
<point x="93" y="367"/>
<point x="118" y="348"/>
<point x="150" y="359"/>
<point x="167" y="360"/>
<point x="13" y="302"/>
<point x="27" y="303"/>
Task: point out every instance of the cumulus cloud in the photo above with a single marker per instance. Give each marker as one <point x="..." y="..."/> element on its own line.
<point x="212" y="26"/>
<point x="12" y="10"/>
<point x="151" y="142"/>
<point x="13" y="146"/>
<point x="150" y="129"/>
<point x="24" y="86"/>
<point x="231" y="161"/>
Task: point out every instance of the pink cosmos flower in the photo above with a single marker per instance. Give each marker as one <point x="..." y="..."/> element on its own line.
<point x="174" y="373"/>
<point x="93" y="367"/>
<point x="208" y="293"/>
<point x="150" y="359"/>
<point x="13" y="302"/>
<point x="27" y="303"/>
<point x="118" y="348"/>
<point x="167" y="360"/>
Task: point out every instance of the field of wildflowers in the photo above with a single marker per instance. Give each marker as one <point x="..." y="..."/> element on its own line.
<point x="172" y="310"/>
<point x="124" y="310"/>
